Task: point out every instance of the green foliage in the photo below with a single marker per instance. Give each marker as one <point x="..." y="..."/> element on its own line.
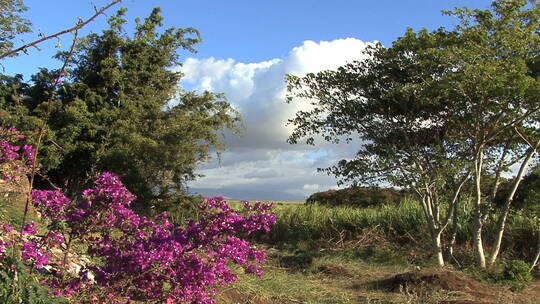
<point x="11" y="210"/>
<point x="315" y="227"/>
<point x="315" y="223"/>
<point x="19" y="285"/>
<point x="433" y="109"/>
<point x="426" y="105"/>
<point x="385" y="101"/>
<point x="182" y="208"/>
<point x="528" y="194"/>
<point x="358" y="197"/>
<point x="518" y="270"/>
<point x="11" y="23"/>
<point x="120" y="109"/>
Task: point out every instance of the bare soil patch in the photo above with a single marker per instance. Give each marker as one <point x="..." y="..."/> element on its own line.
<point x="419" y="281"/>
<point x="427" y="282"/>
<point x="334" y="271"/>
<point x="233" y="296"/>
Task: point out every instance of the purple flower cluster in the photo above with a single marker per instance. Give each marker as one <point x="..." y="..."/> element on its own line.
<point x="31" y="251"/>
<point x="52" y="204"/>
<point x="5" y="230"/>
<point x="30" y="228"/>
<point x="130" y="258"/>
<point x="150" y="259"/>
<point x="37" y="249"/>
<point x="16" y="158"/>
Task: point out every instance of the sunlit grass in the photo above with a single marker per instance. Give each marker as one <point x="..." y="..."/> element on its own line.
<point x="297" y="223"/>
<point x="12" y="210"/>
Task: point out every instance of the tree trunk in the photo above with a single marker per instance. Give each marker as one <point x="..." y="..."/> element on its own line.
<point x="434" y="231"/>
<point x="449" y="251"/>
<point x="535" y="261"/>
<point x="502" y="219"/>
<point x="478" y="220"/>
<point x="500" y="166"/>
<point x="478" y="244"/>
<point x="438" y="248"/>
<point x="453" y="215"/>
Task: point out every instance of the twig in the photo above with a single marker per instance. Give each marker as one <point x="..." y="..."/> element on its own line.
<point x="522" y="136"/>
<point x="44" y="127"/>
<point x="72" y="29"/>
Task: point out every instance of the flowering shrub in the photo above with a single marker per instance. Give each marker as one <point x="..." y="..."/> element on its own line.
<point x="15" y="157"/>
<point x="133" y="257"/>
<point x="5" y="230"/>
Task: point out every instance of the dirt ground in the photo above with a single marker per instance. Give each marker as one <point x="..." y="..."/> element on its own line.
<point x="419" y="286"/>
<point x="450" y="282"/>
<point x="233" y="296"/>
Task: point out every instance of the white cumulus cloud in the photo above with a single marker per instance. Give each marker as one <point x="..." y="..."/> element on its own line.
<point x="260" y="164"/>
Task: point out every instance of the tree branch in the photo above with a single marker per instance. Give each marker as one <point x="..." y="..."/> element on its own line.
<point x="44" y="127"/>
<point x="72" y="29"/>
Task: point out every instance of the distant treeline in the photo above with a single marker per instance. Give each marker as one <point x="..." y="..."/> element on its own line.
<point x="358" y="196"/>
<point x="526" y="197"/>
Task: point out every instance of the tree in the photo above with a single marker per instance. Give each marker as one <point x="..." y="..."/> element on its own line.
<point x="435" y="108"/>
<point x="391" y="102"/>
<point x="120" y="109"/>
<point x="495" y="93"/>
<point x="11" y="23"/>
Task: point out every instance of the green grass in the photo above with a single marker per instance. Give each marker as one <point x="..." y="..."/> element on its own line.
<point x="303" y="223"/>
<point x="307" y="226"/>
<point x="317" y="277"/>
<point x="12" y="210"/>
<point x="281" y="286"/>
<point x="338" y="254"/>
<point x="330" y="278"/>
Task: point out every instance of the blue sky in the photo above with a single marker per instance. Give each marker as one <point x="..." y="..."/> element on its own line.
<point x="248" y="47"/>
<point x="251" y="31"/>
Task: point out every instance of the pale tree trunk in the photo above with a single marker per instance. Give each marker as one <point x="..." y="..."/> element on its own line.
<point x="430" y="206"/>
<point x="535" y="261"/>
<point x="478" y="220"/>
<point x="439" y="248"/>
<point x="434" y="231"/>
<point x="504" y="215"/>
<point x="452" y="239"/>
<point x="452" y="217"/>
<point x="500" y="166"/>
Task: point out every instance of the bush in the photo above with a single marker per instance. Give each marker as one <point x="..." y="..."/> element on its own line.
<point x="20" y="286"/>
<point x="120" y="255"/>
<point x="517" y="270"/>
<point x="358" y="196"/>
<point x="181" y="208"/>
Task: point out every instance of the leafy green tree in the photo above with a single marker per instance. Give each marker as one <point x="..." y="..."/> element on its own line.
<point x="392" y="103"/>
<point x="120" y="109"/>
<point x="12" y="23"/>
<point x="495" y="94"/>
<point x="435" y="108"/>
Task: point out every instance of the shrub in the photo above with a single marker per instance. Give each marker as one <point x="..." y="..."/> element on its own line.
<point x="358" y="196"/>
<point x="518" y="270"/>
<point x="21" y="286"/>
<point x="121" y="256"/>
